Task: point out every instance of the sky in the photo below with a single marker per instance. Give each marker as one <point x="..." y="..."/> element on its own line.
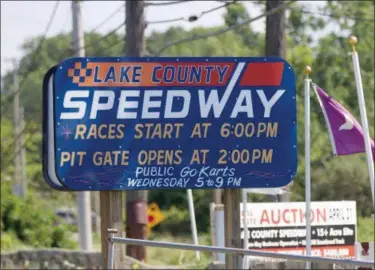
<point x="22" y="20"/>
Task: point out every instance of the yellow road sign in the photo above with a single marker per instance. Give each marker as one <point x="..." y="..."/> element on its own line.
<point x="155" y="216"/>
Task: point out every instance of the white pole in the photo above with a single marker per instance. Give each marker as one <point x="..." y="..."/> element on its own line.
<point x="83" y="198"/>
<point x="307" y="167"/>
<point x="192" y="221"/>
<point x="245" y="227"/>
<point x="362" y="109"/>
<point x="212" y="223"/>
<point x="219" y="230"/>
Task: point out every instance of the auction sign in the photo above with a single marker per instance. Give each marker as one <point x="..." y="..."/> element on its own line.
<point x="164" y="123"/>
<point x="281" y="227"/>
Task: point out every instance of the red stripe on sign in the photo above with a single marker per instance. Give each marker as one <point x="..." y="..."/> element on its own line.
<point x="347" y="251"/>
<point x="263" y="74"/>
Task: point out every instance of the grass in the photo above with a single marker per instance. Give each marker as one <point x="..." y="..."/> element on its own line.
<point x="164" y="256"/>
<point x="365" y="229"/>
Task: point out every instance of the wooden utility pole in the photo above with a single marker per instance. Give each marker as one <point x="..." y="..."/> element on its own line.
<point x="136" y="201"/>
<point x="18" y="188"/>
<point x="232" y="226"/>
<point x="23" y="151"/>
<point x="276" y="46"/>
<point x="275" y="30"/>
<point x="20" y="177"/>
<point x="110" y="203"/>
<point x="83" y="197"/>
<point x="111" y="217"/>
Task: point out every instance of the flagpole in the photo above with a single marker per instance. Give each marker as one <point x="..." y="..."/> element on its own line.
<point x="307" y="165"/>
<point x="362" y="108"/>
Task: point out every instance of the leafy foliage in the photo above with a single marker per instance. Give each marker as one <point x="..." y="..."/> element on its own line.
<point x="31" y="222"/>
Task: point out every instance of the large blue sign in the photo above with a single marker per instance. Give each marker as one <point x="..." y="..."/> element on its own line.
<point x="162" y="123"/>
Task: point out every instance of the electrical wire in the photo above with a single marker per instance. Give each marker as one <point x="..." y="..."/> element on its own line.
<point x="33" y="64"/>
<point x="208" y="35"/>
<point x="161" y="3"/>
<point x="110" y="16"/>
<point x="10" y="97"/>
<point x="337" y="16"/>
<point x="190" y="19"/>
<point x="39" y="48"/>
<point x="241" y="24"/>
<point x="193" y="18"/>
<point x="222" y="31"/>
<point x="28" y="124"/>
<point x="106" y="36"/>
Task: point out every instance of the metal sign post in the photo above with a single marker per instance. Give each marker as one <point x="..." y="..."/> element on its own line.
<point x="192" y="221"/>
<point x="232" y="226"/>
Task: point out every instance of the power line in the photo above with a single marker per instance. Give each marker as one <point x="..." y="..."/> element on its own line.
<point x="193" y="18"/>
<point x="34" y="55"/>
<point x="39" y="48"/>
<point x="336" y="16"/>
<point x="106" y="36"/>
<point x="190" y="19"/>
<point x="183" y="40"/>
<point x="204" y="36"/>
<point x="222" y="31"/>
<point x="162" y="3"/>
<point x="28" y="124"/>
<point x="11" y="96"/>
<point x="110" y="16"/>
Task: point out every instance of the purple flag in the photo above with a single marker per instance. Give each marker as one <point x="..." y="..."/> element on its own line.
<point x="345" y="133"/>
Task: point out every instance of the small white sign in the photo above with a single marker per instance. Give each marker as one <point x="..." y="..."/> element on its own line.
<point x="281" y="227"/>
<point x="293" y="214"/>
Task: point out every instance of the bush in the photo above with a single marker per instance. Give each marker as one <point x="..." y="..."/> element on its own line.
<point x="9" y="241"/>
<point x="343" y="178"/>
<point x="176" y="221"/>
<point x="176" y="201"/>
<point x="365" y="229"/>
<point x="60" y="239"/>
<point x="30" y="221"/>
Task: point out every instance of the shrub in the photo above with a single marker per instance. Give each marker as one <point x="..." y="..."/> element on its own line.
<point x="9" y="241"/>
<point x="31" y="221"/>
<point x="176" y="221"/>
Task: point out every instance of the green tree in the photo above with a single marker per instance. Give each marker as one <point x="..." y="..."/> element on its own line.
<point x="236" y="14"/>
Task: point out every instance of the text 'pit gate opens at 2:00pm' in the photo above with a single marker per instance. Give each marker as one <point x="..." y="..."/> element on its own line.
<point x="163" y="123"/>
